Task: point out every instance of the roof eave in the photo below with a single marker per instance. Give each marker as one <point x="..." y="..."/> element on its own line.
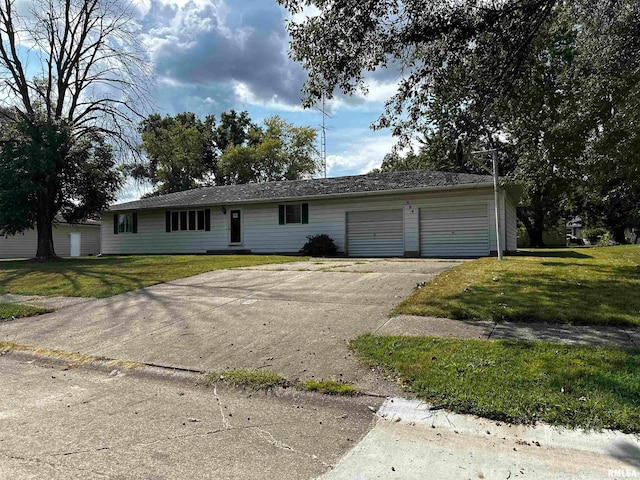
<point x="465" y="186"/>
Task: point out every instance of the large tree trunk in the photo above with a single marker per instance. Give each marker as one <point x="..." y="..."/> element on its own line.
<point x="44" y="223"/>
<point x="534" y="227"/>
<point x="618" y="234"/>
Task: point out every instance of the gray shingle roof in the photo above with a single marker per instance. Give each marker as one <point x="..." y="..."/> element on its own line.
<point x="301" y="189"/>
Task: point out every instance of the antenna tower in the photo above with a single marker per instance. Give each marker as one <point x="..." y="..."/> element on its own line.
<point x="323" y="137"/>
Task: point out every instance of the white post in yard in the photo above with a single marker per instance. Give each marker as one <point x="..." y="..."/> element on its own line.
<point x="494" y="155"/>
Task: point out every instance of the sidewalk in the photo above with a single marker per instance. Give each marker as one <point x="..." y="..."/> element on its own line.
<point x="625" y="337"/>
<point x="412" y="442"/>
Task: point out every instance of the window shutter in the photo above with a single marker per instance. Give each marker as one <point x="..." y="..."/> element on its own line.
<point x="115" y="224"/>
<point x="281" y="214"/>
<point x="305" y="213"/>
<point x="134" y="221"/>
<point x="207" y="219"/>
<point x="167" y="219"/>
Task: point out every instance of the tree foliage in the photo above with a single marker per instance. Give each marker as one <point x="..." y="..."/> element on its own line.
<point x="179" y="150"/>
<point x="279" y="151"/>
<point x="552" y="85"/>
<point x="183" y="152"/>
<point x="72" y="74"/>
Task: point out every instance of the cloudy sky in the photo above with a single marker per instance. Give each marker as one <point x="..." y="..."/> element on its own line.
<point x="210" y="56"/>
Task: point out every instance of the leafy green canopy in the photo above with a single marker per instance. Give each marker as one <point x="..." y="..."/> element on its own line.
<point x="78" y="175"/>
<point x="551" y="84"/>
<point x="183" y="152"/>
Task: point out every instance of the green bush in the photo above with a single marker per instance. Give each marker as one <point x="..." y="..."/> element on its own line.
<point x="319" y="246"/>
<point x="594" y="234"/>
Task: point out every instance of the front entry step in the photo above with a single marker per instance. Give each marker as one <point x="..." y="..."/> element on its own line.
<point x="229" y="252"/>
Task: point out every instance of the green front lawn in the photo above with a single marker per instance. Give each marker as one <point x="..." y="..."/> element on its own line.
<point x="516" y="382"/>
<point x="579" y="286"/>
<point x="107" y="276"/>
<point x="9" y="311"/>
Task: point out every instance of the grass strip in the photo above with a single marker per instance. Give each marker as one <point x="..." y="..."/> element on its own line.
<point x="266" y="380"/>
<point x="327" y="386"/>
<point x="589" y="286"/>
<point x="10" y="311"/>
<point x="516" y="382"/>
<point x="75" y="359"/>
<point x="101" y="277"/>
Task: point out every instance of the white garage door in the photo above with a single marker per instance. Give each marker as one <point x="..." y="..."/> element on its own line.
<point x="460" y="231"/>
<point x="377" y="233"/>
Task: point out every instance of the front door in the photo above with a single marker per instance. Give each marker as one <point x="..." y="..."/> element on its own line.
<point x="236" y="227"/>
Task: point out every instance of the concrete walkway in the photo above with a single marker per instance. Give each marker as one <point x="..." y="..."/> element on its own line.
<point x="625" y="337"/>
<point x="412" y="442"/>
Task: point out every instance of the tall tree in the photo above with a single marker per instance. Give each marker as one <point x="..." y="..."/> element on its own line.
<point x="89" y="78"/>
<point x="517" y="74"/>
<point x="179" y="152"/>
<point x="280" y="151"/>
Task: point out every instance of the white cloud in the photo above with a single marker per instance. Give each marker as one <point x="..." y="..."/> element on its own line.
<point x="308" y="11"/>
<point x="245" y="95"/>
<point x="360" y="156"/>
<point x="133" y="190"/>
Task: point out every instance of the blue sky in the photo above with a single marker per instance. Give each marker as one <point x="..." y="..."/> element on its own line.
<point x="210" y="56"/>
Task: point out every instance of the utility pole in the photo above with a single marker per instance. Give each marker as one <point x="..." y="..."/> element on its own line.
<point x="323" y="137"/>
<point x="494" y="172"/>
<point x="494" y="157"/>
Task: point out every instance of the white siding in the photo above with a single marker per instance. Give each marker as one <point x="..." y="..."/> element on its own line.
<point x="375" y="233"/>
<point x="262" y="233"/>
<point x="25" y="245"/>
<point x="454" y="231"/>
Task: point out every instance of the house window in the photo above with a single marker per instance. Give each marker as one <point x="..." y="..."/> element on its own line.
<point x="188" y="220"/>
<point x="125" y="223"/>
<point x="293" y="213"/>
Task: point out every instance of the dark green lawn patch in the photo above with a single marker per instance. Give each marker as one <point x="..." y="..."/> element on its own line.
<point x="516" y="382"/>
<point x="8" y="311"/>
<point x="106" y="276"/>
<point x="599" y="286"/>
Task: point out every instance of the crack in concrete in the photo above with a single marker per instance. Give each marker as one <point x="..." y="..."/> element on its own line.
<point x="262" y="433"/>
<point x="271" y="440"/>
<point x="225" y="423"/>
<point x="495" y="325"/>
<point x="51" y="464"/>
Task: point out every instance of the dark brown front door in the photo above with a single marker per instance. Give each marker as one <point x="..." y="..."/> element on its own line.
<point x="236" y="227"/>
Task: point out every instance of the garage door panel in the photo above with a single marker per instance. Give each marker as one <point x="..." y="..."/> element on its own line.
<point x="458" y="231"/>
<point x="375" y="233"/>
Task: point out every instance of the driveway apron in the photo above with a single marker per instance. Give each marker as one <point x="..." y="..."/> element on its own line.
<point x="295" y="319"/>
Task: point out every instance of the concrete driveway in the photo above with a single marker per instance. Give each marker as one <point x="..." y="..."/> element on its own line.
<point x="294" y="319"/>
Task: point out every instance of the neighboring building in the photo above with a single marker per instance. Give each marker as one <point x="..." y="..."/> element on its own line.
<point x="418" y="213"/>
<point x="69" y="240"/>
<point x="574" y="227"/>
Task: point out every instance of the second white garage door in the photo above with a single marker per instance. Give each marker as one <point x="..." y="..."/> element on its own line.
<point x="459" y="231"/>
<point x="376" y="233"/>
